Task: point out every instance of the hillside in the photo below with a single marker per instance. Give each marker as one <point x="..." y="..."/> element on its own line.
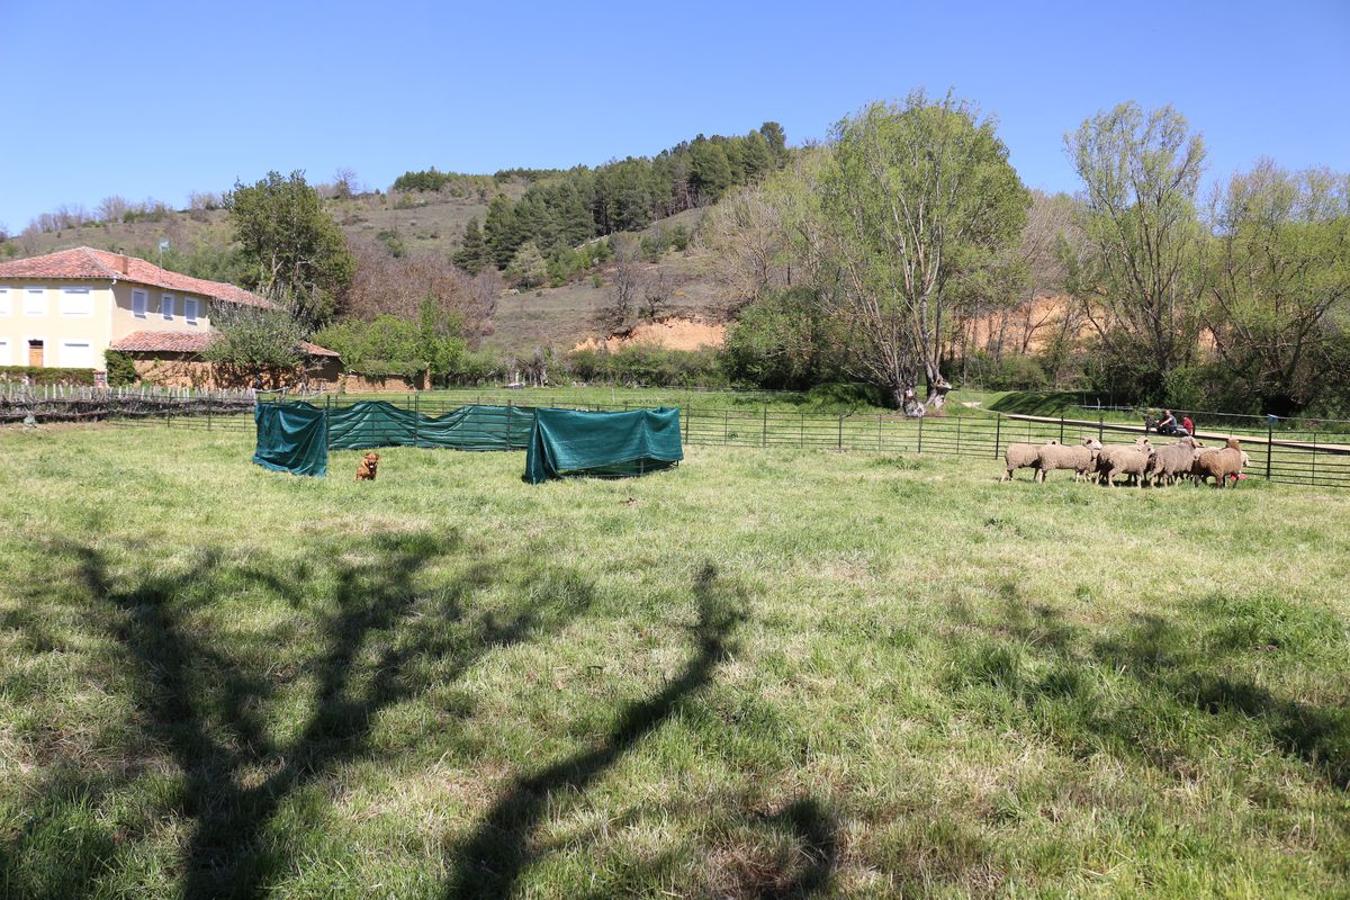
<point x="431" y="223"/>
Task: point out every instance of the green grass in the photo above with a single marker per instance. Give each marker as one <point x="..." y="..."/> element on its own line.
<point x="764" y="673"/>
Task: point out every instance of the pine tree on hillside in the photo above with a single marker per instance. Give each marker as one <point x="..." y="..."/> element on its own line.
<point x="473" y="256"/>
<point x="502" y="231"/>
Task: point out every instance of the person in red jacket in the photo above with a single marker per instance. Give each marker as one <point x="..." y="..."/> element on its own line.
<point x="1187" y="424"/>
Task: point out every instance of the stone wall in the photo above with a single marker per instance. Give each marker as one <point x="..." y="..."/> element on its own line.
<point x="179" y="370"/>
<point x="355" y="383"/>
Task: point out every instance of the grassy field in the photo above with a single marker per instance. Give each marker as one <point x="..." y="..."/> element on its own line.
<point x="763" y="673"/>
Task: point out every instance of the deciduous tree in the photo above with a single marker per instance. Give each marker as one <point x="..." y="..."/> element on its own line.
<point x="1138" y="279"/>
<point x="292" y="248"/>
<point x="913" y="198"/>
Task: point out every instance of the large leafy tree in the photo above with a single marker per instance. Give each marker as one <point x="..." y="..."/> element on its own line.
<point x="1137" y="277"/>
<point x="1279" y="286"/>
<point x="914" y="198"/>
<point x="293" y="251"/>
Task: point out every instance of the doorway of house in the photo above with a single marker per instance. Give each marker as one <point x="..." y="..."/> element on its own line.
<point x="35" y="354"/>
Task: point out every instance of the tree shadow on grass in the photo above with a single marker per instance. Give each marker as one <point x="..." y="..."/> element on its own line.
<point x="1178" y="668"/>
<point x="1166" y="658"/>
<point x="814" y="832"/>
<point x="495" y="855"/>
<point x="202" y="706"/>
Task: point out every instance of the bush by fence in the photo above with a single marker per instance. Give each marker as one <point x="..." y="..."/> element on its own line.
<point x="40" y="375"/>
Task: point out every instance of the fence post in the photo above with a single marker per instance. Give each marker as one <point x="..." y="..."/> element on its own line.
<point x="840" y="445"/>
<point x="958" y="435"/>
<point x="801" y="434"/>
<point x="689" y="414"/>
<point x="328" y="422"/>
<point x="1314" y="457"/>
<point x="1061" y="428"/>
<point x="417" y="415"/>
<point x="1101" y="429"/>
<point x="764" y="434"/>
<point x="726" y="427"/>
<point x="998" y="433"/>
<point x="878" y="432"/>
<point x="921" y="418"/>
<point x="1270" y="445"/>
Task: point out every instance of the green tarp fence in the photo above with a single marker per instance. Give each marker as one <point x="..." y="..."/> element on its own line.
<point x="296" y="436"/>
<point x="292" y="437"/>
<point x="374" y="423"/>
<point x="605" y="444"/>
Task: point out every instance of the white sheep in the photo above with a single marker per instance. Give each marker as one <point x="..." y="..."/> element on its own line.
<point x="1171" y="461"/>
<point x="1124" y="459"/>
<point x="1022" y="456"/>
<point x="1082" y="459"/>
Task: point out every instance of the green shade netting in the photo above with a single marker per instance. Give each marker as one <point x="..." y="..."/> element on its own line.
<point x="606" y="444"/>
<point x="374" y="423"/>
<point x="292" y="437"/>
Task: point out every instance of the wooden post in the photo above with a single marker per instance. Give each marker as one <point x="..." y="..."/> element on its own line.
<point x="764" y="434"/>
<point x="921" y="418"/>
<point x="689" y="414"/>
<point x="1061" y="428"/>
<point x="417" y="416"/>
<point x="998" y="433"/>
<point x="1101" y="428"/>
<point x="958" y="435"/>
<point x="841" y="433"/>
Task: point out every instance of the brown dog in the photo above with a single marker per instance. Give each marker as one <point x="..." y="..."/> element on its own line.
<point x="369" y="464"/>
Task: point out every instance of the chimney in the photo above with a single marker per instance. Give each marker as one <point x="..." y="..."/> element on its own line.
<point x="124" y="264"/>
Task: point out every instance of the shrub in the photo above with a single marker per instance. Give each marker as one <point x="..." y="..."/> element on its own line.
<point x="47" y="375"/>
<point x="121" y="368"/>
<point x="648" y="366"/>
<point x="1011" y="373"/>
<point x="783" y="341"/>
<point x="679" y="238"/>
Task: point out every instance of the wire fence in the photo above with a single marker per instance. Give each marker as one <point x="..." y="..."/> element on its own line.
<point x="1311" y="458"/>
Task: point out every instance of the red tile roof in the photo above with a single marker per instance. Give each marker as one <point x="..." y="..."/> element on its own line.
<point x="189" y="342"/>
<point x="86" y="263"/>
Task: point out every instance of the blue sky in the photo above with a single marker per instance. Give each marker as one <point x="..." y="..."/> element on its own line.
<point x="150" y="99"/>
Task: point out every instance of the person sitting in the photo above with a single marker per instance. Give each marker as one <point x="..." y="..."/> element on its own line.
<point x="1187" y="425"/>
<point x="1168" y="423"/>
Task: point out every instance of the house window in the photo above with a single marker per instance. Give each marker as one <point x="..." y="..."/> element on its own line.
<point x="77" y="355"/>
<point x="166" y="306"/>
<point x="35" y="302"/>
<point x="138" y="299"/>
<point x="6" y="302"/>
<point x="190" y="310"/>
<point x="77" y="301"/>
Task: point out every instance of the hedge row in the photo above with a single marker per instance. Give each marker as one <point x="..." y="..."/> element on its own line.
<point x="47" y="375"/>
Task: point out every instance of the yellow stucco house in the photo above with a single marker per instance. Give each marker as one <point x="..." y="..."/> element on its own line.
<point x="66" y="309"/>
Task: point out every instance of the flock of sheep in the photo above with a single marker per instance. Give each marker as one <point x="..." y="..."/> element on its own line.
<point x="1141" y="462"/>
